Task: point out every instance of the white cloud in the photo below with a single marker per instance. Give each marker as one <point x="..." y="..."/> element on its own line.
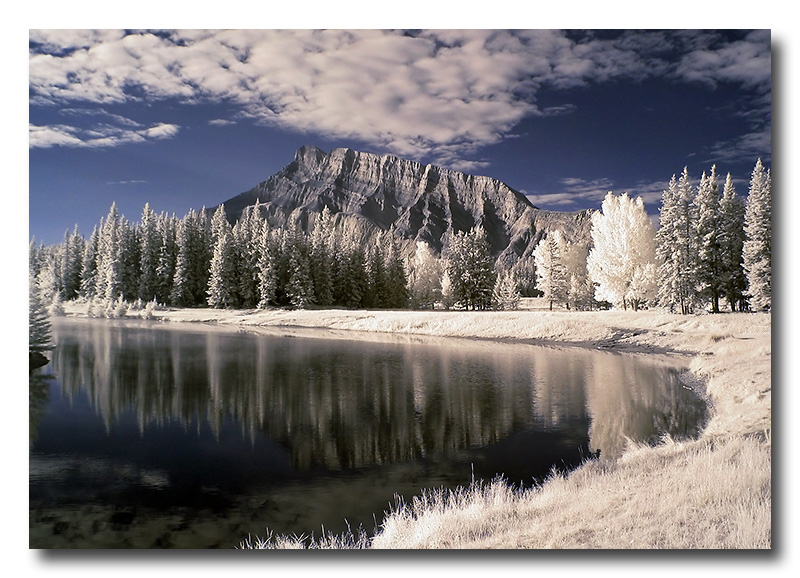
<point x="436" y="93"/>
<point x="98" y="136"/>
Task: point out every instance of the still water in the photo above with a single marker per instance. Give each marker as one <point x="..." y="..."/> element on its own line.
<point x="145" y="435"/>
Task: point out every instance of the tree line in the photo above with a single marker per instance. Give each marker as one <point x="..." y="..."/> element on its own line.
<point x="711" y="246"/>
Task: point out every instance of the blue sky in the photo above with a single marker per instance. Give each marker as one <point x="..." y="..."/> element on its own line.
<point x="183" y="119"/>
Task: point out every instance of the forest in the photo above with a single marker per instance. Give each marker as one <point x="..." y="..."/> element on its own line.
<point x="712" y="251"/>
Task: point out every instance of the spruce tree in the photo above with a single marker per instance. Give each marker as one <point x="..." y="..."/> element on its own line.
<point x="734" y="280"/>
<point x="222" y="275"/>
<point x="676" y="247"/>
<point x="150" y="252"/>
<point x="551" y="272"/>
<point x="39" y="330"/>
<point x="709" y="257"/>
<point x="109" y="263"/>
<point x="757" y="248"/>
<point x="471" y="269"/>
<point x="266" y="269"/>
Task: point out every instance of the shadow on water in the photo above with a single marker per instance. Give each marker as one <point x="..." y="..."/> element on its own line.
<point x="145" y="436"/>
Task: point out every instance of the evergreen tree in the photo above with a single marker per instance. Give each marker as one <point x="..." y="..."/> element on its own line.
<point x="322" y="259"/>
<point x="506" y="295"/>
<point x="731" y="240"/>
<point x="623" y="242"/>
<point x="551" y="272"/>
<point x="129" y="257"/>
<point x="299" y="287"/>
<point x="71" y="264"/>
<point x="471" y="269"/>
<point x="39" y="331"/>
<point x="676" y="247"/>
<point x="192" y="264"/>
<point x="709" y="258"/>
<point x="266" y="269"/>
<point x="109" y="264"/>
<point x="89" y="265"/>
<point x="222" y="277"/>
<point x="757" y="248"/>
<point x="397" y="294"/>
<point x="150" y="254"/>
<point x="246" y="241"/>
<point x="377" y="280"/>
<point x="167" y="256"/>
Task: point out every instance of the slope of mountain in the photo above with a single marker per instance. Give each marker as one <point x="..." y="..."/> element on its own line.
<point x="367" y="193"/>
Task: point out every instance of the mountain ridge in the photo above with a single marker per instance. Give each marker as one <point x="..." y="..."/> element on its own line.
<point x="368" y="193"/>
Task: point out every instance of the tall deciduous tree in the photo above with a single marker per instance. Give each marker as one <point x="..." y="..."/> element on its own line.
<point x="623" y="251"/>
<point x="758" y="239"/>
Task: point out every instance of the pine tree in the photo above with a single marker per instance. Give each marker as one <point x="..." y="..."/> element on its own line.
<point x="709" y="265"/>
<point x="623" y="246"/>
<point x="246" y="241"/>
<point x="506" y="295"/>
<point x="471" y="269"/>
<point x="39" y="330"/>
<point x="551" y="272"/>
<point x="266" y="269"/>
<point x="149" y="251"/>
<point x="321" y="258"/>
<point x="299" y="286"/>
<point x="222" y="277"/>
<point x="757" y="248"/>
<point x="676" y="247"/>
<point x="89" y="265"/>
<point x="109" y="264"/>
<point x="167" y="256"/>
<point x="731" y="240"/>
<point x="71" y="264"/>
<point x="397" y="294"/>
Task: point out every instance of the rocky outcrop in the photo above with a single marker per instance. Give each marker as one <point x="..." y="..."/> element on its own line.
<point x="367" y="193"/>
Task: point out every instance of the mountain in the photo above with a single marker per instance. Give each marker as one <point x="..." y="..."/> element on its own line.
<point x="367" y="193"/>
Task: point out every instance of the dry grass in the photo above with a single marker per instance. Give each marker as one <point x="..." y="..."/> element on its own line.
<point x="714" y="492"/>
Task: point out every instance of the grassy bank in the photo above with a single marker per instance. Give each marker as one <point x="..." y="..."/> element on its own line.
<point x="714" y="492"/>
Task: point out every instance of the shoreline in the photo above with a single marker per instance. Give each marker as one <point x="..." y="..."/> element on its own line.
<point x="728" y="359"/>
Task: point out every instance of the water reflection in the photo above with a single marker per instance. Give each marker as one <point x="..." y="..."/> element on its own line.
<point x="341" y="405"/>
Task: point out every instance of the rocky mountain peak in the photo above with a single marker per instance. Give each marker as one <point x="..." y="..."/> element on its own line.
<point x="367" y="193"/>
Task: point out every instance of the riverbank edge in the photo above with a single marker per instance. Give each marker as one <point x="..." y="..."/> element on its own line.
<point x="729" y="365"/>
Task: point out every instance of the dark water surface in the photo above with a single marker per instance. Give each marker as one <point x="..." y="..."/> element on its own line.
<point x="144" y="435"/>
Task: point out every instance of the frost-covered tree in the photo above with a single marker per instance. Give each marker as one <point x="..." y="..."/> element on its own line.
<point x="222" y="277"/>
<point x="731" y="240"/>
<point x="471" y="269"/>
<point x="246" y="237"/>
<point x="580" y="291"/>
<point x="39" y="330"/>
<point x="71" y="264"/>
<point x="299" y="285"/>
<point x="757" y="248"/>
<point x="710" y="277"/>
<point x="192" y="263"/>
<point x="623" y="245"/>
<point x="167" y="256"/>
<point x="676" y="242"/>
<point x="109" y="263"/>
<point x="424" y="277"/>
<point x="149" y="251"/>
<point x="322" y="251"/>
<point x="506" y="295"/>
<point x="267" y="279"/>
<point x="551" y="271"/>
<point x="89" y="265"/>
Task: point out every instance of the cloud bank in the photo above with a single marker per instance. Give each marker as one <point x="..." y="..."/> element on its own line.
<point x="437" y="94"/>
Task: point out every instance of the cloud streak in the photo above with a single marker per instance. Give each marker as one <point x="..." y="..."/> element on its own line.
<point x="442" y="94"/>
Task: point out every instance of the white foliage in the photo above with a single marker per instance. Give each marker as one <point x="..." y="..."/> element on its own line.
<point x="623" y="246"/>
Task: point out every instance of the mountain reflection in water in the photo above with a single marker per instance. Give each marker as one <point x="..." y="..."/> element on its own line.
<point x="307" y="408"/>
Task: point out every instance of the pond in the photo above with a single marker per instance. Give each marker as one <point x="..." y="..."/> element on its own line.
<point x="151" y="435"/>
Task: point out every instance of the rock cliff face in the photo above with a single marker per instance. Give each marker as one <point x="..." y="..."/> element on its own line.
<point x="367" y="193"/>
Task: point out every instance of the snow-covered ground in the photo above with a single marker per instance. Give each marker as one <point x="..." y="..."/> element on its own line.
<point x="731" y="362"/>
